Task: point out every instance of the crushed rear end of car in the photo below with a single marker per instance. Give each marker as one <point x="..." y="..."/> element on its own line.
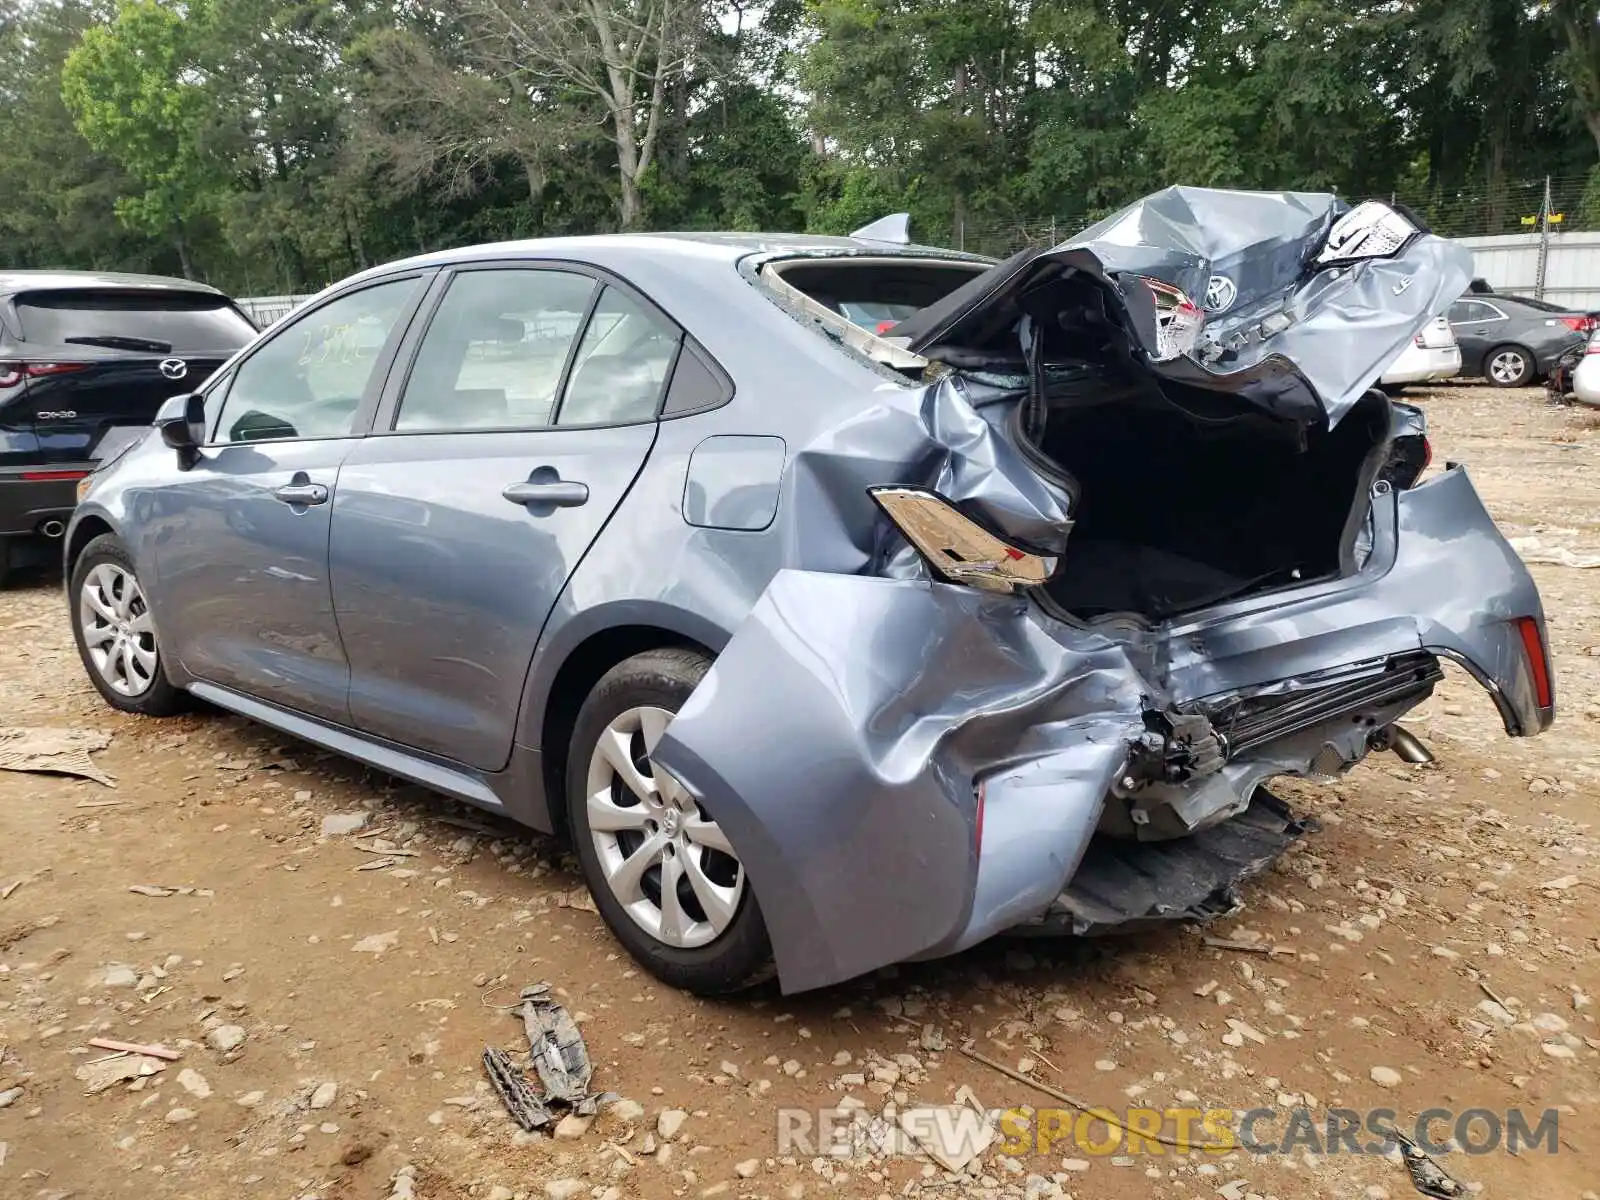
<point x="1145" y="539"/>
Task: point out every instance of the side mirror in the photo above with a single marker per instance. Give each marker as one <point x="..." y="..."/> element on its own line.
<point x="182" y="422"/>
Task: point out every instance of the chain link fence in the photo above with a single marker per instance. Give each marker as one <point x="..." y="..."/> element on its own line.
<point x="266" y="310"/>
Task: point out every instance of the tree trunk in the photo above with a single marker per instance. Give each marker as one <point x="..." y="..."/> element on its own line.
<point x="629" y="205"/>
<point x="181" y="243"/>
<point x="538" y="177"/>
<point x="632" y="204"/>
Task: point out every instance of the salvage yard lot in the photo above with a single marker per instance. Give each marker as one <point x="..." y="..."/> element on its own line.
<point x="383" y="964"/>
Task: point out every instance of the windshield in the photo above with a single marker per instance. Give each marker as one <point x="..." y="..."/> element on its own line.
<point x="135" y="319"/>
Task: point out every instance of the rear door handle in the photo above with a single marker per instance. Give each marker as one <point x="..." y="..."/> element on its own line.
<point x="559" y="493"/>
<point x="302" y="493"/>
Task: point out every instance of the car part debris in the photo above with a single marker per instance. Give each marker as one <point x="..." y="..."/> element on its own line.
<point x="557" y="1056"/>
<point x="54" y="752"/>
<point x="1121" y="885"/>
<point x="521" y="1101"/>
<point x="1427" y="1176"/>
<point x="558" y="1053"/>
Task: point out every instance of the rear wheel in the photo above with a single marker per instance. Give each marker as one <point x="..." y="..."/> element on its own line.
<point x="1508" y="366"/>
<point x="663" y="874"/>
<point x="116" y="636"/>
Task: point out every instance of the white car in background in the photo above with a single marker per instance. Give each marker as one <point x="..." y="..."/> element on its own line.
<point x="1586" y="375"/>
<point x="1432" y="356"/>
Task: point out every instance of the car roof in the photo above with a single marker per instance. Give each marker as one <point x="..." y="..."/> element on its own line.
<point x="12" y="282"/>
<point x="1548" y="308"/>
<point x="727" y="246"/>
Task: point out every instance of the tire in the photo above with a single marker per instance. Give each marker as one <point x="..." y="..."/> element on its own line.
<point x="1508" y="366"/>
<point x="697" y="946"/>
<point x="105" y="618"/>
<point x="5" y="560"/>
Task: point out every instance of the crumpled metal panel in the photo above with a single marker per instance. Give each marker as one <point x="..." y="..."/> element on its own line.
<point x="857" y="818"/>
<point x="843" y="732"/>
<point x="1328" y="334"/>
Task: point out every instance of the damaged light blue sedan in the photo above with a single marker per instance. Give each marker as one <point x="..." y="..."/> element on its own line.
<point x="844" y="601"/>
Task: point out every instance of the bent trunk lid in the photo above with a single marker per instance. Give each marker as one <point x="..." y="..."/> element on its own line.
<point x="1278" y="328"/>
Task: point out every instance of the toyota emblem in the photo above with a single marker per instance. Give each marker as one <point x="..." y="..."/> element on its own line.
<point x="1220" y="294"/>
<point x="176" y="368"/>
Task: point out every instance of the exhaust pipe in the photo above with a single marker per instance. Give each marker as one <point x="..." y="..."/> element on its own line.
<point x="1408" y="748"/>
<point x="52" y="529"/>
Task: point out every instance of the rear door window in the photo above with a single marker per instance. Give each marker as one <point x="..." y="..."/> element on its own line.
<point x="496" y="351"/>
<point x="1464" y="311"/>
<point x="621" y="366"/>
<point x="149" y="320"/>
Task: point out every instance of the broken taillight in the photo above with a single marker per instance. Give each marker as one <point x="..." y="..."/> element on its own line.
<point x="1538" y="659"/>
<point x="1409" y="457"/>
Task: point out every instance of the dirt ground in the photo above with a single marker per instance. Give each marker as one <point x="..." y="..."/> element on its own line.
<point x="1429" y="891"/>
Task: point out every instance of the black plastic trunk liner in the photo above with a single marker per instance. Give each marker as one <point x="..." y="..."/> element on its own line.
<point x="1125" y="885"/>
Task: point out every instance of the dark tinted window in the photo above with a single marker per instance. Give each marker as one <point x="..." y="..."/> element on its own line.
<point x="308" y="379"/>
<point x="493" y="355"/>
<point x="622" y="364"/>
<point x="696" y="385"/>
<point x="1463" y="311"/>
<point x="180" y="320"/>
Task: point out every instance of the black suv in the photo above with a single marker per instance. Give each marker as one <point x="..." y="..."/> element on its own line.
<point x="85" y="361"/>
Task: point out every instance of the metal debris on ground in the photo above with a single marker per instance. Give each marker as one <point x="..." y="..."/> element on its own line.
<point x="557" y="1056"/>
<point x="521" y="1101"/>
<point x="53" y="752"/>
<point x="558" y="1052"/>
<point x="1427" y="1176"/>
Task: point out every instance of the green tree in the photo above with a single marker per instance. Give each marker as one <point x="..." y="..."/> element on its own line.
<point x="130" y="88"/>
<point x="57" y="205"/>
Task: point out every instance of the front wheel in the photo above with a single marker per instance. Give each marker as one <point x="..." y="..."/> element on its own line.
<point x="116" y="636"/>
<point x="1508" y="366"/>
<point x="664" y="876"/>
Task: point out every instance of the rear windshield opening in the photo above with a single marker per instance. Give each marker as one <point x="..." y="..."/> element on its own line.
<point x="876" y="293"/>
<point x="183" y="321"/>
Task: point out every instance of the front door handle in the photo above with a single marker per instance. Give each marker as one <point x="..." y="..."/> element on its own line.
<point x="302" y="493"/>
<point x="558" y="493"/>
